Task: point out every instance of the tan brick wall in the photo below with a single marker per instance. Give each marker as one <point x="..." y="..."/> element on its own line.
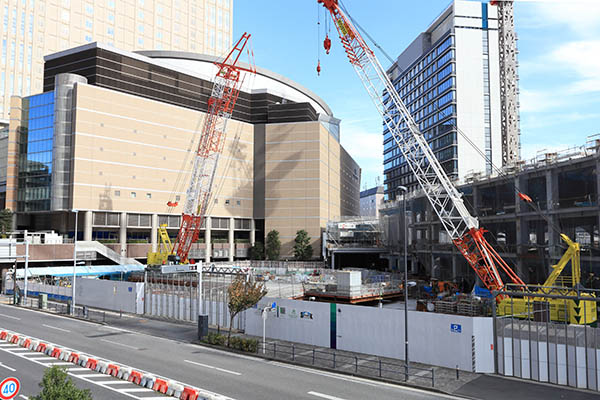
<point x="126" y="144"/>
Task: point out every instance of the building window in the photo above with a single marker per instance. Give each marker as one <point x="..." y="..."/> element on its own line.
<point x="239" y="203"/>
<point x="227" y="202"/>
<point x="148" y="195"/>
<point x="89" y="9"/>
<point x="141" y="41"/>
<point x="88" y="38"/>
<point x="111" y="18"/>
<point x="117" y="193"/>
<point x="141" y="28"/>
<point x="111" y="31"/>
<point x="88" y="24"/>
<point x="177" y="198"/>
<point x="133" y="195"/>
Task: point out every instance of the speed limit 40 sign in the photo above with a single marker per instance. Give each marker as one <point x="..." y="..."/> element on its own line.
<point x="9" y="388"/>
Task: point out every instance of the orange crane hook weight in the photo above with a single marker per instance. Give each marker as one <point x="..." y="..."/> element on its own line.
<point x="319" y="68"/>
<point x="327" y="44"/>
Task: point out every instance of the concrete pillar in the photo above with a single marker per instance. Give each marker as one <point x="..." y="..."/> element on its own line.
<point x="154" y="233"/>
<point x="252" y="232"/>
<point x="454" y="266"/>
<point x="231" y="238"/>
<point x="475" y="197"/>
<point x="552" y="201"/>
<point x="87" y="225"/>
<point x="123" y="233"/>
<point x="207" y="226"/>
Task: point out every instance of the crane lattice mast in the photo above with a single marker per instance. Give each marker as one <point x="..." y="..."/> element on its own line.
<point x="445" y="199"/>
<point x="225" y="91"/>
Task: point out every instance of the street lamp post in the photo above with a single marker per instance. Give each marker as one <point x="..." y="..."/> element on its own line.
<point x="404" y="190"/>
<point x="74" y="265"/>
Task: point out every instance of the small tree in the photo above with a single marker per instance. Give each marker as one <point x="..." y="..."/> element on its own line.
<point x="57" y="385"/>
<point x="302" y="248"/>
<point x="257" y="252"/>
<point x="243" y="294"/>
<point x="273" y="245"/>
<point x="6" y="221"/>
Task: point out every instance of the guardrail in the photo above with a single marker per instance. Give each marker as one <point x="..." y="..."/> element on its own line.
<point x="333" y="359"/>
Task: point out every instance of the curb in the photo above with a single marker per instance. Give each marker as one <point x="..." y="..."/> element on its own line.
<point x="136" y="376"/>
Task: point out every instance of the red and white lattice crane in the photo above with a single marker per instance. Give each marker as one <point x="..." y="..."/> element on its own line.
<point x="445" y="199"/>
<point x="221" y="103"/>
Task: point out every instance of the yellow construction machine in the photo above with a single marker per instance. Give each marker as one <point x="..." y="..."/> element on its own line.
<point x="580" y="312"/>
<point x="164" y="255"/>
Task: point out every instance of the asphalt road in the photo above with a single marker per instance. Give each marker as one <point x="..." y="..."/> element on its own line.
<point x="236" y="376"/>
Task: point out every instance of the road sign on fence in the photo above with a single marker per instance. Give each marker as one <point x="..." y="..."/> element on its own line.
<point x="455" y="328"/>
<point x="9" y="388"/>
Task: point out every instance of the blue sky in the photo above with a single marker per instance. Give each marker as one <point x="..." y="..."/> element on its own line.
<point x="559" y="65"/>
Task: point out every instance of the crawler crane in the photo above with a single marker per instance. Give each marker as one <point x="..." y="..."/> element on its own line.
<point x="445" y="199"/>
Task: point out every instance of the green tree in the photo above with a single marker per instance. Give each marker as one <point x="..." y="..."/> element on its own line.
<point x="302" y="249"/>
<point x="273" y="245"/>
<point x="6" y="221"/>
<point x="57" y="385"/>
<point x="243" y="294"/>
<point x="257" y="252"/>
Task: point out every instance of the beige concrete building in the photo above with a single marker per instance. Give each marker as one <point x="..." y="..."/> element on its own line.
<point x="32" y="29"/>
<point x="114" y="141"/>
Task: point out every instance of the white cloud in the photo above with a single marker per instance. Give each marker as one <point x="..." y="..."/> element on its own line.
<point x="580" y="16"/>
<point x="583" y="58"/>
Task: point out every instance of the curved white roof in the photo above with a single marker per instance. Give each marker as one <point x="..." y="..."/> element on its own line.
<point x="203" y="66"/>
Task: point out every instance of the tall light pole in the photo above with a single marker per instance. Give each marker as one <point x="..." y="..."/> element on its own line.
<point x="404" y="190"/>
<point x="74" y="265"/>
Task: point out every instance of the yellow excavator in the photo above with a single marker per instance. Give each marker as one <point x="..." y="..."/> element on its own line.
<point x="580" y="312"/>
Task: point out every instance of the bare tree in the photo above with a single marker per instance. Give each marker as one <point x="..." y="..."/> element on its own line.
<point x="243" y="294"/>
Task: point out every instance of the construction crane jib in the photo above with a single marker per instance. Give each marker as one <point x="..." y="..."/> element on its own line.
<point x="445" y="199"/>
<point x="225" y="91"/>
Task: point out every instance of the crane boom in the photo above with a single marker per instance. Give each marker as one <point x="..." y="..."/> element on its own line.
<point x="445" y="199"/>
<point x="225" y="91"/>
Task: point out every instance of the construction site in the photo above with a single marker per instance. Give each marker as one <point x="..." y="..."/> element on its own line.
<point x="508" y="254"/>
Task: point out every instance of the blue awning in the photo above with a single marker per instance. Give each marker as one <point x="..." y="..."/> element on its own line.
<point x="80" y="270"/>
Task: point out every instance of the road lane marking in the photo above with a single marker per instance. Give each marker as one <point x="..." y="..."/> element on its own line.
<point x="324" y="396"/>
<point x="114" y="382"/>
<point x="58" y="329"/>
<point x="23" y="396"/>
<point x="93" y="375"/>
<point x="10" y="316"/>
<point x="133" y="390"/>
<point x="78" y="369"/>
<point x="120" y="344"/>
<point x="211" y="367"/>
<point x="25" y="349"/>
<point x="7" y="367"/>
<point x="62" y="363"/>
<point x="6" y="345"/>
<point x="40" y="358"/>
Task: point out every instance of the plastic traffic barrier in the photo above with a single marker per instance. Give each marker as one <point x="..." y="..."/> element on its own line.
<point x="147" y="381"/>
<point x="83" y="360"/>
<point x="112" y="369"/>
<point x="56" y="352"/>
<point x="73" y="357"/>
<point x="175" y="389"/>
<point x="160" y="385"/>
<point x="189" y="394"/>
<point x="34" y="345"/>
<point x="101" y="366"/>
<point x="26" y="343"/>
<point x="124" y="373"/>
<point x="14" y="339"/>
<point x="135" y="377"/>
<point x="3" y="335"/>
<point x="42" y="347"/>
<point x="91" y="363"/>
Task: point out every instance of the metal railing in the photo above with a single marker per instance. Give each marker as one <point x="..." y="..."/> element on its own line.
<point x="60" y="308"/>
<point x="341" y="361"/>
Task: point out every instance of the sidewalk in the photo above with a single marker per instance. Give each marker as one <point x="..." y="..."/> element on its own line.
<point x="468" y="384"/>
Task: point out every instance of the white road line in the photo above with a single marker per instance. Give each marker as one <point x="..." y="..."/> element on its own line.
<point x="62" y="363"/>
<point x="58" y="329"/>
<point x="115" y="382"/>
<point x="23" y="396"/>
<point x="133" y="390"/>
<point x="78" y="369"/>
<point x="120" y="344"/>
<point x="40" y="358"/>
<point x="10" y="316"/>
<point x="325" y="396"/>
<point x="92" y="375"/>
<point x="211" y="367"/>
<point x="7" y="367"/>
<point x="25" y="349"/>
<point x="7" y="344"/>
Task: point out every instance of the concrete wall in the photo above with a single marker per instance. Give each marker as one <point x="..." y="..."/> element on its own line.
<point x="381" y="332"/>
<point x="110" y="295"/>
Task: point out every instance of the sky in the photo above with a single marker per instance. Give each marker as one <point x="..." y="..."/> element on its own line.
<point x="559" y="65"/>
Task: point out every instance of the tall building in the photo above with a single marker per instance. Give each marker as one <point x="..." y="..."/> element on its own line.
<point x="370" y="201"/>
<point x="449" y="79"/>
<point x="113" y="133"/>
<point x="32" y="29"/>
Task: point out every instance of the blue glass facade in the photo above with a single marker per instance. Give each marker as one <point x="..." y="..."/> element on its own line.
<point x="428" y="88"/>
<point x="35" y="153"/>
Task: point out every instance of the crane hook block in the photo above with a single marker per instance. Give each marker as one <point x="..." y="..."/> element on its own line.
<point x="524" y="197"/>
<point x="327" y="44"/>
<point x="319" y="68"/>
<point x="172" y="204"/>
